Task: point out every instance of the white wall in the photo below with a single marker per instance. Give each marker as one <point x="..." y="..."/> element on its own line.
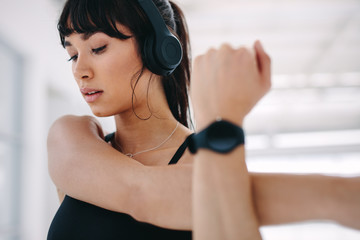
<point x="49" y="91"/>
<point x="30" y="26"/>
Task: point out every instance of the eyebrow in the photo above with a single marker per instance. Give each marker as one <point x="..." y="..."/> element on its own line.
<point x="84" y="36"/>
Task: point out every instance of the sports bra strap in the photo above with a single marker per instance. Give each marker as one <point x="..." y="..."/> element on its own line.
<point x="179" y="152"/>
<point x="173" y="160"/>
<point x="109" y="137"/>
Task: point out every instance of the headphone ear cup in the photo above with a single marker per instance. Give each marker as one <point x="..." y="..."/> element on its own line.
<point x="169" y="52"/>
<point x="163" y="56"/>
<point x="149" y="55"/>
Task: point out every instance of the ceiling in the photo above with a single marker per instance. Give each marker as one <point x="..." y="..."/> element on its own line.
<point x="301" y="36"/>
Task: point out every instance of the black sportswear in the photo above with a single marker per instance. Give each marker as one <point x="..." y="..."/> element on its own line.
<point x="79" y="220"/>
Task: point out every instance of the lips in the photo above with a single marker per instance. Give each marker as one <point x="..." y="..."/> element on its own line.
<point x="90" y="94"/>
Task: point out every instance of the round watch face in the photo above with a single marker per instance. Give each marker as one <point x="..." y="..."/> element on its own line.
<point x="222" y="137"/>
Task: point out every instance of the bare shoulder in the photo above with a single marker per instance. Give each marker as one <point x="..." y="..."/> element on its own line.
<point x="67" y="138"/>
<point x="71" y="125"/>
<point x="72" y="122"/>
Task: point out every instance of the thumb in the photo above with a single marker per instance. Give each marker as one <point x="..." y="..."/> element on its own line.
<point x="263" y="59"/>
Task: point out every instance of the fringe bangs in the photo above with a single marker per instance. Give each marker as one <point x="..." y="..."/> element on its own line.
<point x="89" y="16"/>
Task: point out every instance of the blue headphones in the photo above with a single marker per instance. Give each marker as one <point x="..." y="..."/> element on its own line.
<point x="162" y="51"/>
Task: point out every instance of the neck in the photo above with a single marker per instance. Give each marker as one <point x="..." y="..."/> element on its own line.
<point x="134" y="135"/>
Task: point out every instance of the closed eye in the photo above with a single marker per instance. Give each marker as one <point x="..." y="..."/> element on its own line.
<point x="73" y="58"/>
<point x="99" y="50"/>
<point x="95" y="50"/>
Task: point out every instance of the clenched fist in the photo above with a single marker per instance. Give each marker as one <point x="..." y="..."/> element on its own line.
<point x="228" y="83"/>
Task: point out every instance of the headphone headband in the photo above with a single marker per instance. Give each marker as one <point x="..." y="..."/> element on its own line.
<point x="154" y="16"/>
<point x="162" y="52"/>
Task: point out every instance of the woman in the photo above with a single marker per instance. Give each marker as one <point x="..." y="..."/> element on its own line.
<point x="125" y="188"/>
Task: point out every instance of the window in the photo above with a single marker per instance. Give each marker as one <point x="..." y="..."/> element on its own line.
<point x="10" y="140"/>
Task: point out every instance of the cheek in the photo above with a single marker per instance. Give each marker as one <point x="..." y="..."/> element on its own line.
<point x="121" y="73"/>
<point x="124" y="66"/>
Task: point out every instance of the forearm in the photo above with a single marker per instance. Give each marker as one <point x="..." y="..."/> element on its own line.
<point x="281" y="198"/>
<point x="286" y="198"/>
<point x="166" y="197"/>
<point x="222" y="199"/>
<point x="277" y="198"/>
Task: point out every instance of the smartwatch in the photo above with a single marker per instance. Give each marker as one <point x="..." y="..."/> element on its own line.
<point x="221" y="136"/>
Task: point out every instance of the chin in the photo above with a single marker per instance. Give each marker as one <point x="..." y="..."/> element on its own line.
<point x="108" y="111"/>
<point x="102" y="115"/>
<point x="98" y="113"/>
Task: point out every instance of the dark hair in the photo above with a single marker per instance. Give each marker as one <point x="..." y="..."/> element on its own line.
<point x="90" y="16"/>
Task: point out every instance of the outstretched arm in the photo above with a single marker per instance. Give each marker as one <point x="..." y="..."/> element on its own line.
<point x="83" y="166"/>
<point x="278" y="198"/>
<point x="286" y="198"/>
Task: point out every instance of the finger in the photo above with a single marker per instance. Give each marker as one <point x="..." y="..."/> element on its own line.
<point x="226" y="47"/>
<point x="264" y="61"/>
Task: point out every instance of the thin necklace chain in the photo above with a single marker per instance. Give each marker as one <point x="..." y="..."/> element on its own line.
<point x="132" y="155"/>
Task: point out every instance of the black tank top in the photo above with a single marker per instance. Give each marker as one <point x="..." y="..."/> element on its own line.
<point x="79" y="220"/>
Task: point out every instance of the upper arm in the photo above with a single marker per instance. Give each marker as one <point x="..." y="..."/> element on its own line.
<point x="85" y="167"/>
<point x="82" y="165"/>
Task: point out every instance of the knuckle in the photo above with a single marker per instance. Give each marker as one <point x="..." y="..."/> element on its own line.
<point x="243" y="51"/>
<point x="211" y="52"/>
<point x="248" y="52"/>
<point x="226" y="46"/>
<point x="245" y="54"/>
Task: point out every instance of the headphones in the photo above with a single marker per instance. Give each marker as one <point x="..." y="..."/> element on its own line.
<point x="162" y="51"/>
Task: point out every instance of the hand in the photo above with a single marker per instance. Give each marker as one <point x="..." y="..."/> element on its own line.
<point x="228" y="83"/>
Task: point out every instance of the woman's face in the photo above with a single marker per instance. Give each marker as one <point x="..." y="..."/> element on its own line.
<point x="104" y="69"/>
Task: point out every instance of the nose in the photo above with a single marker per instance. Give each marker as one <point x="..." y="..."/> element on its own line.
<point x="82" y="69"/>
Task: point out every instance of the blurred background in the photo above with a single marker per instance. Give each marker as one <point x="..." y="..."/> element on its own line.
<point x="308" y="123"/>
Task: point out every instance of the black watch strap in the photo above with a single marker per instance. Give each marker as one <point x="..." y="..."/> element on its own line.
<point x="221" y="136"/>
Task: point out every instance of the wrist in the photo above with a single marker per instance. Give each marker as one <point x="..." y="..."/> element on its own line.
<point x="201" y="124"/>
<point x="221" y="136"/>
